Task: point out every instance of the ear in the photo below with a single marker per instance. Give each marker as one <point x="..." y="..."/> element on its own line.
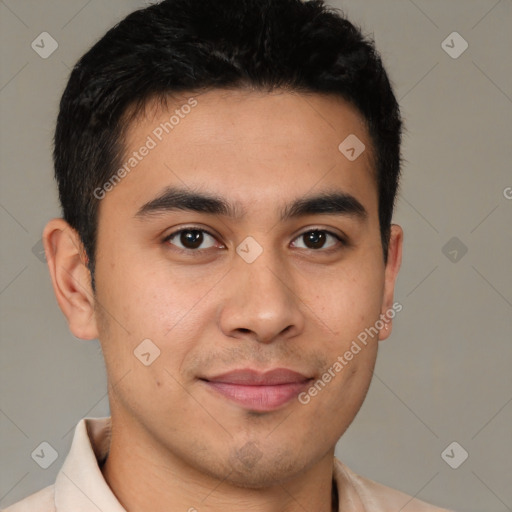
<point x="391" y="272"/>
<point x="71" y="279"/>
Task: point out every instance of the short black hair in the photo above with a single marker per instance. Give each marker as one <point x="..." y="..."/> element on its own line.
<point x="180" y="46"/>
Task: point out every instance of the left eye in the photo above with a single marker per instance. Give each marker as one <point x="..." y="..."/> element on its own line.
<point x="316" y="238"/>
<point x="192" y="238"/>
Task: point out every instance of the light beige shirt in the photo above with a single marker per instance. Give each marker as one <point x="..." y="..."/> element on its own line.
<point x="80" y="486"/>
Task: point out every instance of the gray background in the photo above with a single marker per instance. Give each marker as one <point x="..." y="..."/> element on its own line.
<point x="445" y="373"/>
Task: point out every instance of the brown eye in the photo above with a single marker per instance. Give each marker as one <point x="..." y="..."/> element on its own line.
<point x="190" y="239"/>
<point x="315" y="239"/>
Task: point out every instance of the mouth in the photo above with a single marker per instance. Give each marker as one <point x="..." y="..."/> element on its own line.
<point x="258" y="391"/>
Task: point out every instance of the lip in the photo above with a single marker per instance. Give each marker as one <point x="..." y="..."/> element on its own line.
<point x="259" y="391"/>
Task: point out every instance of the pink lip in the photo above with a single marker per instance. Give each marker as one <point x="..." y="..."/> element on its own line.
<point x="259" y="391"/>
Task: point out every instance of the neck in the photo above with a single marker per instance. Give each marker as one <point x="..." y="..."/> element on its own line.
<point x="146" y="476"/>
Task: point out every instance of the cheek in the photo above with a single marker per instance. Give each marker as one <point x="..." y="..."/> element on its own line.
<point x="152" y="301"/>
<point x="348" y="302"/>
<point x="141" y="294"/>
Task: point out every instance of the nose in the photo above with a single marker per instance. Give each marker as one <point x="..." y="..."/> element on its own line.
<point x="261" y="301"/>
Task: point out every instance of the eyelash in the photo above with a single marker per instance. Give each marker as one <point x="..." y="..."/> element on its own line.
<point x="199" y="252"/>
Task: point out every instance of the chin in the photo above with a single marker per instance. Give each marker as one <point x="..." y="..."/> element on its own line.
<point x="251" y="469"/>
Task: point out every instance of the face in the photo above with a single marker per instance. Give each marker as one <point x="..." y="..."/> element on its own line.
<point x="255" y="286"/>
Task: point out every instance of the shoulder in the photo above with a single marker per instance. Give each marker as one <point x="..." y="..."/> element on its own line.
<point x="379" y="498"/>
<point x="42" y="501"/>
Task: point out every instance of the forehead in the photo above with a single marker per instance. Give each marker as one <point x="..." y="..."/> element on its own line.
<point x="248" y="116"/>
<point x="252" y="146"/>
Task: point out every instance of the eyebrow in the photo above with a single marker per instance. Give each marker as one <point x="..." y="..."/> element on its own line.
<point x="180" y="199"/>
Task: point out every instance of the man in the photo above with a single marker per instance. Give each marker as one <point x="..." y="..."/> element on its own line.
<point x="227" y="171"/>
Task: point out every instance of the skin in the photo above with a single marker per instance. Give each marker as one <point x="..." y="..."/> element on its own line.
<point x="176" y="444"/>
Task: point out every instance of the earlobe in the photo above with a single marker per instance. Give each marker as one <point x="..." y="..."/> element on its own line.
<point x="71" y="278"/>
<point x="391" y="272"/>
